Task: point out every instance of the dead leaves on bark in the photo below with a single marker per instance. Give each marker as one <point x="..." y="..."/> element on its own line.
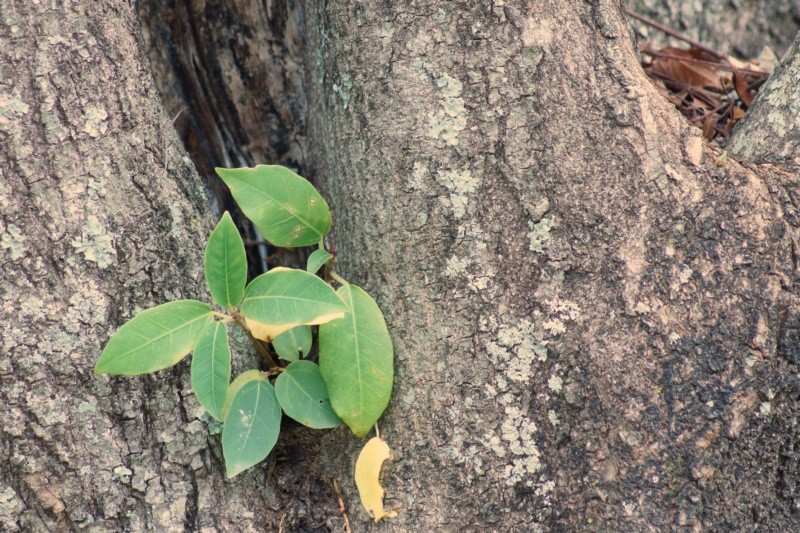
<point x="712" y="92"/>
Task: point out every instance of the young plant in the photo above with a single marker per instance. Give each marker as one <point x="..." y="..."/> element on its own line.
<point x="351" y="384"/>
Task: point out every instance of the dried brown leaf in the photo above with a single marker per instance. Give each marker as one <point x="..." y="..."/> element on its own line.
<point x="709" y="131"/>
<point x="740" y="83"/>
<point x="677" y="68"/>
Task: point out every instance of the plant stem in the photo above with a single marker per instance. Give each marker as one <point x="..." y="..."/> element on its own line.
<point x="336" y="277"/>
<point x="223" y="316"/>
<point x="260" y="348"/>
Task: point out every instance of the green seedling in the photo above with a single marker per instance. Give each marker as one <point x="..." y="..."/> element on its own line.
<point x="351" y="384"/>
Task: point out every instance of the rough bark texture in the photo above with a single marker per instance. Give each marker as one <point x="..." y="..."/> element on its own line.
<point x="770" y="131"/>
<point x="596" y="326"/>
<point x="101" y="215"/>
<point x="737" y="27"/>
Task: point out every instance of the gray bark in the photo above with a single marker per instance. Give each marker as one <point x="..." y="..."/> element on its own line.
<point x="101" y="215"/>
<point x="770" y="131"/>
<point x="595" y="325"/>
<point x="740" y="28"/>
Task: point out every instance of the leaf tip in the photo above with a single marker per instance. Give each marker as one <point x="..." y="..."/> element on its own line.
<point x="232" y="471"/>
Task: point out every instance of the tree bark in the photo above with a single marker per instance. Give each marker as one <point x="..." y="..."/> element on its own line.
<point x="101" y="215"/>
<point x="595" y="325"/>
<point x="769" y="132"/>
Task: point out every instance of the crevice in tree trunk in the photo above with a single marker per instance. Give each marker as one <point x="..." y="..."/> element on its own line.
<point x="231" y="73"/>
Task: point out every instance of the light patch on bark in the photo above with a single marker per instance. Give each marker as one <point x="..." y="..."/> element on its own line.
<point x="460" y="186"/>
<point x="513" y="354"/>
<point x="418" y="175"/>
<point x="122" y="474"/>
<point x="518" y="432"/>
<point x="95" y="243"/>
<point x="95" y="123"/>
<point x="451" y="117"/>
<point x="539" y="234"/>
<point x="343" y="90"/>
<point x="13" y="241"/>
<point x="177" y="225"/>
<point x="537" y="32"/>
<point x="694" y="150"/>
<point x="11" y="108"/>
<point x="689" y="188"/>
<point x="10" y="507"/>
<point x="89" y="306"/>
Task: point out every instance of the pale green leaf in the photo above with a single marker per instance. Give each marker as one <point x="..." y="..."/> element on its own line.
<point x="304" y="397"/>
<point x="226" y="263"/>
<point x="317" y="259"/>
<point x="251" y="428"/>
<point x="211" y="368"/>
<point x="286" y="208"/>
<point x="241" y="380"/>
<point x="357" y="361"/>
<point x="154" y="339"/>
<point x="284" y="298"/>
<point x="293" y="344"/>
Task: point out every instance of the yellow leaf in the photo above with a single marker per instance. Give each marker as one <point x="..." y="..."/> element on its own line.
<point x="368" y="470"/>
<point x="267" y="332"/>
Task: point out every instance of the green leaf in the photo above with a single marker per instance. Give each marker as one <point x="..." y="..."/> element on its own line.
<point x="211" y="368"/>
<point x="241" y="380"/>
<point x="293" y="344"/>
<point x="284" y="298"/>
<point x="304" y="396"/>
<point x="252" y="427"/>
<point x="356" y="359"/>
<point x="226" y="263"/>
<point x="317" y="259"/>
<point x="286" y="208"/>
<point x="154" y="339"/>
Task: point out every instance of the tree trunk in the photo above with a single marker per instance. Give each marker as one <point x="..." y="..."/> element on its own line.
<point x="101" y="215"/>
<point x="770" y="132"/>
<point x="595" y="325"/>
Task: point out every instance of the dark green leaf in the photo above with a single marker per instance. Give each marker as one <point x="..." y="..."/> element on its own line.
<point x="251" y="427"/>
<point x="284" y="298"/>
<point x="356" y="359"/>
<point x="241" y="380"/>
<point x="293" y="344"/>
<point x="317" y="259"/>
<point x="226" y="263"/>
